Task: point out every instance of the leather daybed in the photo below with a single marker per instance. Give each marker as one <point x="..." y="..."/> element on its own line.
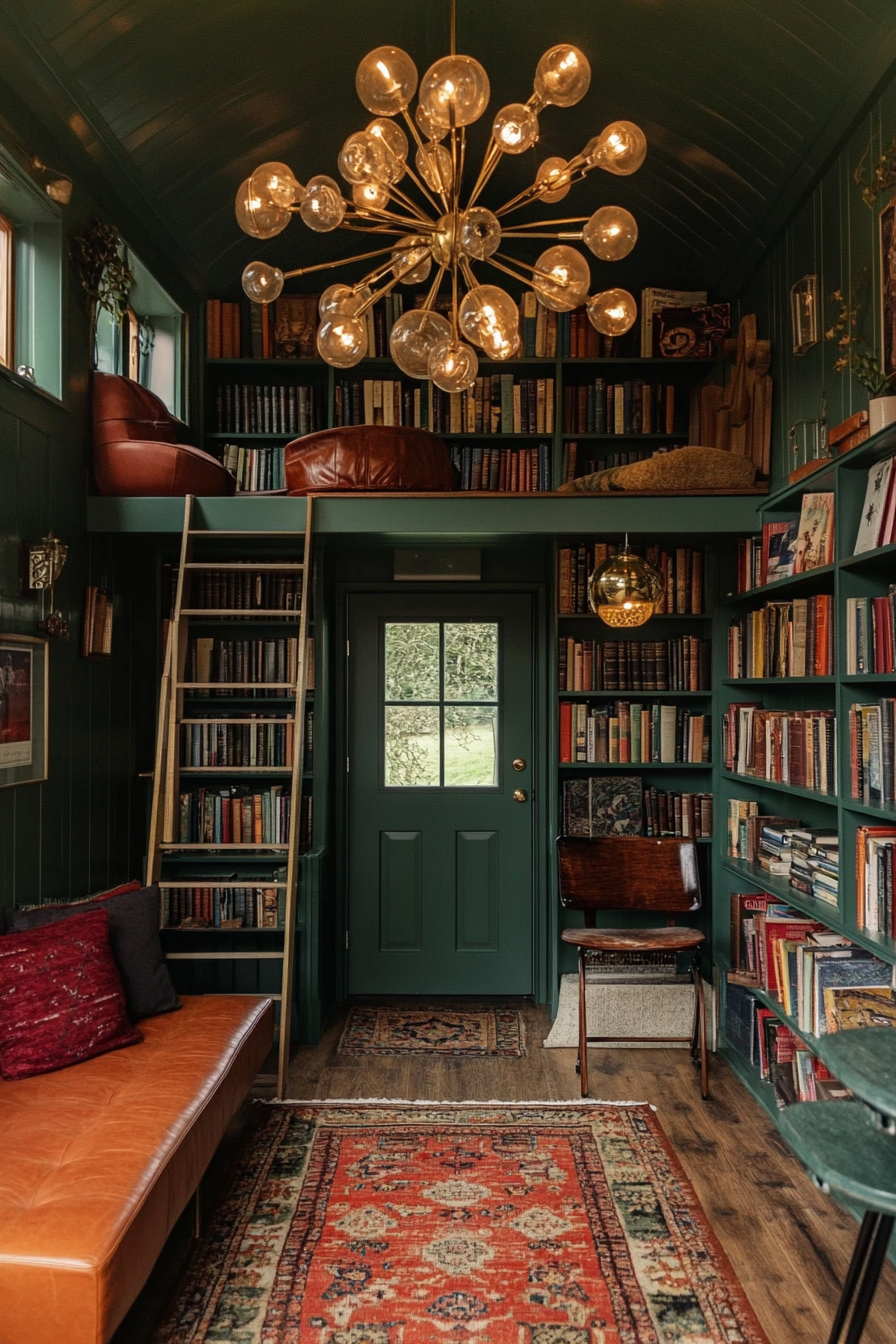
<point x="100" y="1159"/>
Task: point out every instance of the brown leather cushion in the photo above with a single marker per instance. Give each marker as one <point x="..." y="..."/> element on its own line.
<point x="135" y="448"/>
<point x="367" y="457"/>
<point x="100" y="1159"/>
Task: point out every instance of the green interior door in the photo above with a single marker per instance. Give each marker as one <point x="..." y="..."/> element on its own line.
<point x="440" y="872"/>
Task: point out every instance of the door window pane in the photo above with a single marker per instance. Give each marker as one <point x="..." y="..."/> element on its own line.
<point x="471" y="660"/>
<point x="412" y="660"/>
<point x="471" y="745"/>
<point x="412" y="746"/>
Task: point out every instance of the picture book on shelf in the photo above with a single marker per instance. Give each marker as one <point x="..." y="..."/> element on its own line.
<point x="778" y="549"/>
<point x="815" y="536"/>
<point x="614" y="804"/>
<point x="872" y="523"/>
<point x="846" y="1007"/>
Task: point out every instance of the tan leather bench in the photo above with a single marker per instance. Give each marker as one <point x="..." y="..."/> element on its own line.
<point x="98" y="1161"/>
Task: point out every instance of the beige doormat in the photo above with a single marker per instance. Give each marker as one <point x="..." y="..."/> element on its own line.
<point x="649" y="1009"/>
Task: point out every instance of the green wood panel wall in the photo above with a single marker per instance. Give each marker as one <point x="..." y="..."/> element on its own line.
<point x="836" y="237"/>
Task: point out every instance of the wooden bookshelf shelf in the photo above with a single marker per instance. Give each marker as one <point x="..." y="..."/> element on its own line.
<point x="778" y="681"/>
<point x="795" y="582"/>
<point x="881" y="557"/>
<point x="625" y="438"/>
<point x="887" y="811"/>
<point x="635" y="765"/>
<point x="627" y="694"/>
<point x="227" y="613"/>
<point x="857" y="680"/>
<point x="213" y="846"/>
<point x="780" y="787"/>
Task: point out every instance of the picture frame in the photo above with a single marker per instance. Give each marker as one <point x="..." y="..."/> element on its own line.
<point x="24" y="710"/>
<point x="804" y="313"/>
<point x="888" y="286"/>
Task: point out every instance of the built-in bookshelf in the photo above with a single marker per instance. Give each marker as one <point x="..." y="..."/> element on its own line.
<point x="848" y="591"/>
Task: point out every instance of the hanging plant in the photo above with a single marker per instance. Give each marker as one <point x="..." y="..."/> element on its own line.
<point x="855" y="354"/>
<point x="883" y="175"/>
<point x="105" y="276"/>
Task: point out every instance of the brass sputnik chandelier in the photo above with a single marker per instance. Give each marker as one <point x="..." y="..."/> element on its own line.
<point x="437" y="225"/>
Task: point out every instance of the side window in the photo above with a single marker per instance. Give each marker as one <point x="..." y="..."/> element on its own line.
<point x="30" y="278"/>
<point x="147" y="345"/>
<point x="7" y="292"/>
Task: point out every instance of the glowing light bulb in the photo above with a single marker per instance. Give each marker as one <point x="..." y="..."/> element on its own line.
<point x="386" y="81"/>
<point x="454" y="90"/>
<point x="554" y="170"/>
<point x="275" y="182"/>
<point x="610" y="233"/>
<point x="490" y="319"/>
<point x="561" y="279"/>
<point x="413" y="261"/>
<point x="563" y="75"/>
<point x="620" y="148"/>
<point x="258" y="215"/>
<point x="515" y="128"/>
<point x="434" y="166"/>
<point x="362" y="158"/>
<point x="453" y="366"/>
<point x="413" y="337"/>
<point x="394" y="143"/>
<point x="480" y="233"/>
<point x="322" y="208"/>
<point x="341" y="299"/>
<point x="342" y="340"/>
<point x="428" y="126"/>
<point x="262" y="283"/>
<point x="612" y="312"/>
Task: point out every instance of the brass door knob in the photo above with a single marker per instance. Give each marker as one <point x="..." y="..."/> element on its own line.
<point x="520" y="795"/>
<point x="519" y="763"/>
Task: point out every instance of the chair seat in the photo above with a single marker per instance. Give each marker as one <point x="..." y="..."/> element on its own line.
<point x="670" y="939"/>
<point x="840" y="1146"/>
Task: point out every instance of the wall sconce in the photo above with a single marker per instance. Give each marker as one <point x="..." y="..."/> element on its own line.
<point x="45" y="561"/>
<point x="804" y="313"/>
<point x="58" y="186"/>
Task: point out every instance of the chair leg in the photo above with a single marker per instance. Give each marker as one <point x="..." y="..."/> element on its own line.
<point x="700" y="1027"/>
<point x="582" y="1062"/>
<point x="853" y="1274"/>
<point x="868" y="1286"/>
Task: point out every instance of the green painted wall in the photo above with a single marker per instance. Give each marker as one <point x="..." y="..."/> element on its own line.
<point x="836" y="237"/>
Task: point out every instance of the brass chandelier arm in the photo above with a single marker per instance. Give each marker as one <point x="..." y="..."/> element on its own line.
<point x="560" y="236"/>
<point x="341" y="261"/>
<point x="490" y="162"/>
<point x="406" y="200"/>
<point x="420" y="185"/>
<point x="433" y="290"/>
<point x="374" y="211"/>
<point x="499" y="266"/>
<point x="552" y="223"/>
<point x="576" y="173"/>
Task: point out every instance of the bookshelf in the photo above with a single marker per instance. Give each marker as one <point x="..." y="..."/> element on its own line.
<point x="847" y="576"/>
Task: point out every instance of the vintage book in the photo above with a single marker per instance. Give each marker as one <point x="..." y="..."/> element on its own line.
<point x="846" y="1007"/>
<point x="874" y="507"/>
<point x="847" y="427"/>
<point x="652" y="300"/>
<point x="615" y="804"/>
<point x="815" y="537"/>
<point x="295" y="326"/>
<point x="692" y="332"/>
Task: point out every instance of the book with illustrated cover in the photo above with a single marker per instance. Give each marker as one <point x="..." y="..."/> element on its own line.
<point x="846" y="1007"/>
<point x="576" y="819"/>
<point x="691" y="332"/>
<point x="295" y="326"/>
<point x="615" y="804"/>
<point x="874" y="507"/>
<point x="815" y="535"/>
<point x="779" y="544"/>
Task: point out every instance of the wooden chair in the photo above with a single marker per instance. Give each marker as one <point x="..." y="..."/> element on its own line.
<point x="633" y="873"/>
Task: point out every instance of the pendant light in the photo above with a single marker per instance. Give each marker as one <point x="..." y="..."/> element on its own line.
<point x="625" y="589"/>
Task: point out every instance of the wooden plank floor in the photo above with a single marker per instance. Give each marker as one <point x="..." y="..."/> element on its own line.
<point x="789" y="1244"/>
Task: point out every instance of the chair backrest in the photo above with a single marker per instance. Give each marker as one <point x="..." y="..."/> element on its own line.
<point x="629" y="873"/>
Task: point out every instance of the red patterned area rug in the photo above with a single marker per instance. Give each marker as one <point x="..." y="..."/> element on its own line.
<point x="390" y="1223"/>
<point x="471" y="1030"/>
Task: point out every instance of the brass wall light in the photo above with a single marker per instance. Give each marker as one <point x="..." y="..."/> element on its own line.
<point x="45" y="561"/>
<point x="625" y="589"/>
<point x="58" y="185"/>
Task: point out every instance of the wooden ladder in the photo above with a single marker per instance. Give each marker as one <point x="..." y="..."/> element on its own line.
<point x="164" y="844"/>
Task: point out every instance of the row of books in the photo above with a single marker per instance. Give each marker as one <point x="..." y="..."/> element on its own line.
<point x="784" y="639"/>
<point x="875" y="856"/>
<point x="797" y="747"/>
<point x="227" y="907"/>
<point x="633" y="406"/>
<point x="242" y="661"/>
<point x="263" y="408"/>
<point x="246" y="589"/>
<point x="234" y="816"/>
<point x="620" y="805"/>
<point x="871" y="633"/>
<point x="257" y="470"/>
<point x="812" y="971"/>
<point x="789" y="546"/>
<point x="518" y="470"/>
<point x="285" y="329"/>
<point x="781" y="1057"/>
<point x="96" y="629"/>
<point x="872" y="758"/>
<point x="679" y="664"/>
<point x="496" y="404"/>
<point x="783" y="847"/>
<point x="682" y="571"/>
<point x="244" y="742"/>
<point x="877" y="526"/>
<point x="625" y="732"/>
<point x="381" y="401"/>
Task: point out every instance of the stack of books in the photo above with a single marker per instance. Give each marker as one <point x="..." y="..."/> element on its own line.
<point x="782" y="1058"/>
<point x="791" y="546"/>
<point x="632" y="406"/>
<point x="872" y="758"/>
<point x="682" y="814"/>
<point x="522" y="470"/>
<point x="815" y="864"/>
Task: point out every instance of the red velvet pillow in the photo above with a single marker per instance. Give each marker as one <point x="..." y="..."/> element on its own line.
<point x="61" y="998"/>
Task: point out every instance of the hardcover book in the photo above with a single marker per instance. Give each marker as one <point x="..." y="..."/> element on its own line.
<point x="815" y="537"/>
<point x="874" y="507"/>
<point x="615" y="804"/>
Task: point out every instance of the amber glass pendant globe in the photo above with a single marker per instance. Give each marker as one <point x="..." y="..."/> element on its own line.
<point x="625" y="589"/>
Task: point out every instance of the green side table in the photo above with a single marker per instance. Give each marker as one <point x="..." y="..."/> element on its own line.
<point x="864" y="1060"/>
<point x="850" y="1155"/>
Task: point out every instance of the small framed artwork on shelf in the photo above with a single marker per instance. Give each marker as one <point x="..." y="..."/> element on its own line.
<point x="24" y="710"/>
<point x="804" y="313"/>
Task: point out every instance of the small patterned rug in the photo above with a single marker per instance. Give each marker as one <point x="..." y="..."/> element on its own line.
<point x="471" y="1030"/>
<point x="391" y="1223"/>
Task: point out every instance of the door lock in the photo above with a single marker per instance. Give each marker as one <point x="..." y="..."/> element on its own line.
<point x="520" y="795"/>
<point x="519" y="763"/>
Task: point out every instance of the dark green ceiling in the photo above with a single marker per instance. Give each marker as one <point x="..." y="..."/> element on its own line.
<point x="742" y="102"/>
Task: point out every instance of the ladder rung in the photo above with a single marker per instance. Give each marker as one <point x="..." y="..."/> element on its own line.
<point x="224" y="532"/>
<point x="236" y="686"/>
<point x="209" y="719"/>
<point x="257" y="884"/>
<point x="244" y="566"/>
<point x="236" y="769"/>
<point x="215" y="613"/>
<point x="212" y="844"/>
<point x="223" y="956"/>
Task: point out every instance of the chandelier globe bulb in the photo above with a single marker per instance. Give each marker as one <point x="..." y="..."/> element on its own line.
<point x="362" y="158"/>
<point x="258" y="215"/>
<point x="610" y="233"/>
<point x="612" y="312"/>
<point x="276" y="182"/>
<point x="372" y="195"/>
<point x="435" y="167"/>
<point x="412" y="260"/>
<point x="386" y="81"/>
<point x="413" y="337"/>
<point x="620" y="149"/>
<point x="342" y="299"/>
<point x="489" y="318"/>
<point x="561" y="279"/>
<point x="322" y="208"/>
<point x="342" y="340"/>
<point x="430" y="130"/>
<point x="515" y="128"/>
<point x="394" y="144"/>
<point x="553" y="170"/>
<point x="563" y="75"/>
<point x="454" y="91"/>
<point x="262" y="283"/>
<point x="480" y="233"/>
<point x="453" y="366"/>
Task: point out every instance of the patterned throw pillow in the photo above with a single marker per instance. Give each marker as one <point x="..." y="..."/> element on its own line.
<point x="61" y="998"/>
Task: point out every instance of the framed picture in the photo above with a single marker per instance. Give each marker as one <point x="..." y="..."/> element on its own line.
<point x="24" y="705"/>
<point x="888" y="286"/>
<point x="804" y="313"/>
